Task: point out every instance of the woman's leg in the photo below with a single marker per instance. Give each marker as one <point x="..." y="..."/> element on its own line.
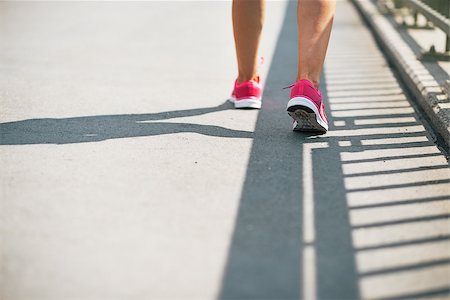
<point x="248" y="17"/>
<point x="314" y="19"/>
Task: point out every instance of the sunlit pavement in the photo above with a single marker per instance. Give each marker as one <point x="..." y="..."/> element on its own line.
<point x="125" y="174"/>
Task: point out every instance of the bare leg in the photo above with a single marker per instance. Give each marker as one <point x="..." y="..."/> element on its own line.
<point x="314" y="19"/>
<point x="248" y="17"/>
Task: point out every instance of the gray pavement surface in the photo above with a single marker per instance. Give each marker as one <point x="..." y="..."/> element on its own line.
<point x="125" y="174"/>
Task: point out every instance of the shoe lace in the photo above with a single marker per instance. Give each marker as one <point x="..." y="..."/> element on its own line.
<point x="289" y="86"/>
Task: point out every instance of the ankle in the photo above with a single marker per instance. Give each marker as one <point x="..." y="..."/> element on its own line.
<point x="244" y="78"/>
<point x="315" y="82"/>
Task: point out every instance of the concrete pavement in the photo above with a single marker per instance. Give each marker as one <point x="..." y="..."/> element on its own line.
<point x="123" y="177"/>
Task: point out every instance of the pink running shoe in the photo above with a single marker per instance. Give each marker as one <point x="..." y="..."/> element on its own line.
<point x="247" y="94"/>
<point x="306" y="108"/>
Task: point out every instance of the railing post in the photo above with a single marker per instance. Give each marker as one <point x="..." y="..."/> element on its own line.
<point x="447" y="44"/>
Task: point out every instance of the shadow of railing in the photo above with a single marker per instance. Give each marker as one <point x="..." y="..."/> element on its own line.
<point x="397" y="193"/>
<point x="361" y="212"/>
<point x="395" y="178"/>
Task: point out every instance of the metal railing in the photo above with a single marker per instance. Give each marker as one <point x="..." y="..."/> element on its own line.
<point x="441" y="6"/>
<point x="437" y="14"/>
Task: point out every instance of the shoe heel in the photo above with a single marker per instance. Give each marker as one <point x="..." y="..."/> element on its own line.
<point x="305" y="119"/>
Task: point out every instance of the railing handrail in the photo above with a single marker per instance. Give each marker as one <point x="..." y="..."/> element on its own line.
<point x="435" y="17"/>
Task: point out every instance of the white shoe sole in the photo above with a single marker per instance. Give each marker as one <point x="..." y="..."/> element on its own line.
<point x="246" y="103"/>
<point x="306" y="115"/>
